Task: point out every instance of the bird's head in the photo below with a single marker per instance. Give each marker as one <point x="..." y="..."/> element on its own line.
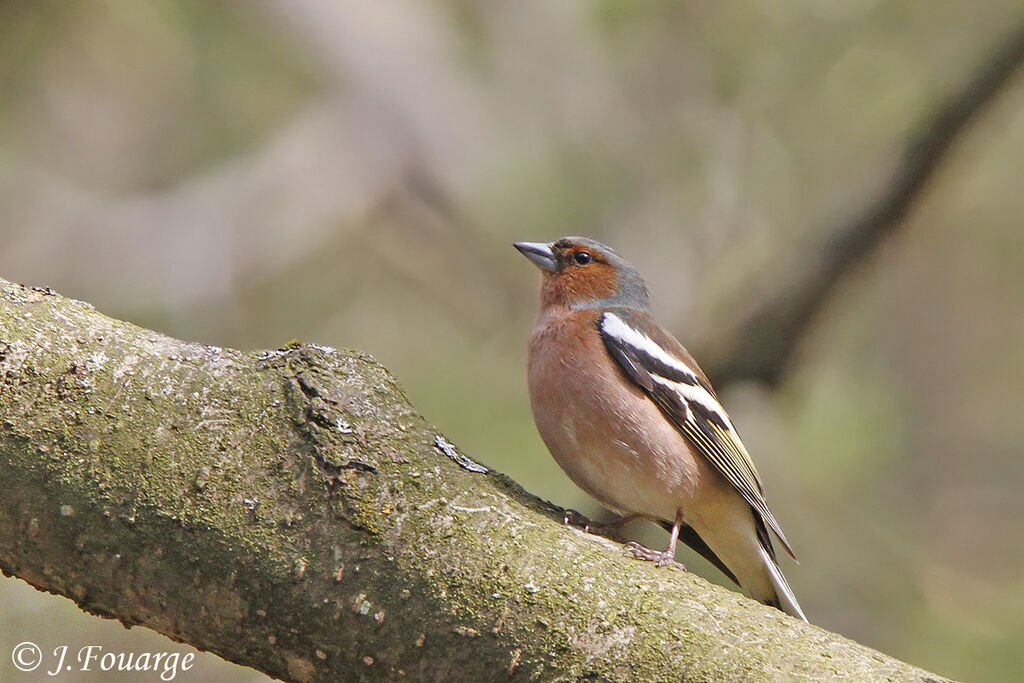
<point x="581" y="273"/>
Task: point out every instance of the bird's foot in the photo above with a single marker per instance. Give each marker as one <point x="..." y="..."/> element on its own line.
<point x="608" y="529"/>
<point x="574" y="518"/>
<point x="664" y="558"/>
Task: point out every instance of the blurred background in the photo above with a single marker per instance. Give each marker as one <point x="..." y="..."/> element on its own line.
<point x="352" y="173"/>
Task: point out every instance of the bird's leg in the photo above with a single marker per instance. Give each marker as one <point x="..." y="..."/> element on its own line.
<point x="610" y="529"/>
<point x="665" y="557"/>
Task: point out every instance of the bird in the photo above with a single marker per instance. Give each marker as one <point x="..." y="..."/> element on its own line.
<point x="631" y="418"/>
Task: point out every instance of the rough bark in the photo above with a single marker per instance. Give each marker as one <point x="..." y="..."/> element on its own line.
<point x="291" y="512"/>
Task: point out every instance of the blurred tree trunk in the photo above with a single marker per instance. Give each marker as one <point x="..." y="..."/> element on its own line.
<point x="291" y="512"/>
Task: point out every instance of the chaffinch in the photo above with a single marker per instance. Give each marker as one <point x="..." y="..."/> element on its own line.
<point x="631" y="418"/>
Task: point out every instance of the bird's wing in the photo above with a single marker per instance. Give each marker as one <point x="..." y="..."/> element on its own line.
<point x="658" y="364"/>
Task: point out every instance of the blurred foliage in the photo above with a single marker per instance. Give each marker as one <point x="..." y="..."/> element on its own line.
<point x="352" y="174"/>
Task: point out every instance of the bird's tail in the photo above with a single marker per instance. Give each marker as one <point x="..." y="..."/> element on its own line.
<point x="787" y="601"/>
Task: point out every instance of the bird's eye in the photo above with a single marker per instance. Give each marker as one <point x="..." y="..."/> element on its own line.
<point x="582" y="257"/>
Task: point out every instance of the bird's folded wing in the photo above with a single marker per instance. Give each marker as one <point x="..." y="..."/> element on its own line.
<point x="659" y="364"/>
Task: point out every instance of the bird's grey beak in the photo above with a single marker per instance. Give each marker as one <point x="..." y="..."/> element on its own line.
<point x="539" y="253"/>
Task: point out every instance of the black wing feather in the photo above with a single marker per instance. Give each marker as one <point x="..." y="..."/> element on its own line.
<point x="690" y="404"/>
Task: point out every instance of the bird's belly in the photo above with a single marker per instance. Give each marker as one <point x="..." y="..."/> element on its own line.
<point x="621" y="450"/>
<point x="615" y="474"/>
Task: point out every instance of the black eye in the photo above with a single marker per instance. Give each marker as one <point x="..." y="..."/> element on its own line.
<point x="582" y="257"/>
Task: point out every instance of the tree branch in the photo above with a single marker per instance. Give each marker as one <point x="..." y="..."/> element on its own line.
<point x="291" y="512"/>
<point x="766" y="340"/>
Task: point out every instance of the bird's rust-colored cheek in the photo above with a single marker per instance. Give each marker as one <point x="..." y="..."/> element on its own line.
<point x="584" y="283"/>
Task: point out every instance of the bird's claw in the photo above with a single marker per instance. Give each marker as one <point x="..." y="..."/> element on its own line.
<point x="663" y="558"/>
<point x="607" y="529"/>
<point x="573" y="518"/>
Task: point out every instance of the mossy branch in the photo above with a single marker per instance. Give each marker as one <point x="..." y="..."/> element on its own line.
<point x="291" y="512"/>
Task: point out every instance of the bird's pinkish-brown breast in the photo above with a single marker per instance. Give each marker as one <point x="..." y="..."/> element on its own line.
<point x="606" y="434"/>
